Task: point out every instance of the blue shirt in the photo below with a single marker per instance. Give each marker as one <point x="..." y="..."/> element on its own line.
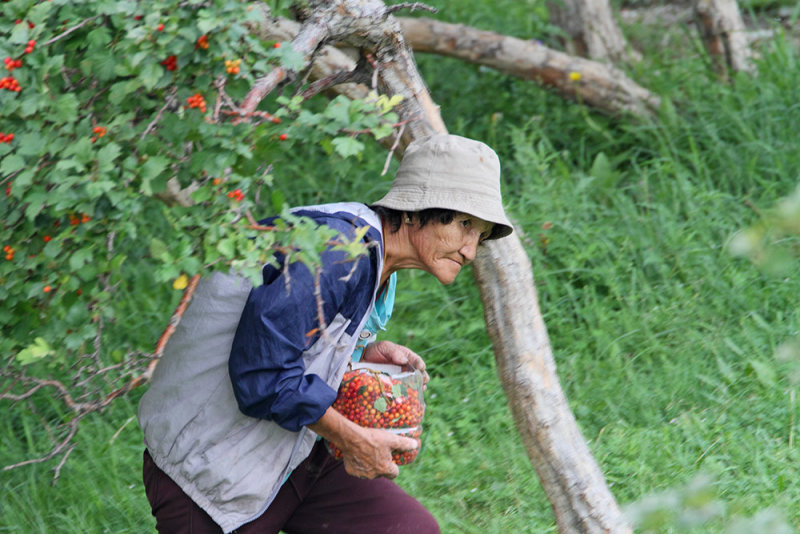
<point x="380" y="315"/>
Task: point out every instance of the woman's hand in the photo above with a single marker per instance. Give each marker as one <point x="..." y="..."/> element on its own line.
<point x="388" y="352"/>
<point x="371" y="456"/>
<point x="367" y="452"/>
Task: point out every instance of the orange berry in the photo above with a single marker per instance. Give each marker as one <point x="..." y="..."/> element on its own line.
<point x="47" y="289"/>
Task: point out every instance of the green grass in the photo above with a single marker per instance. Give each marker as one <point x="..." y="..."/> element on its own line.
<point x="664" y="342"/>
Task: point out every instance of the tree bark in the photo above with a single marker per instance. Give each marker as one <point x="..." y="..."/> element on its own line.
<point x="592" y="30"/>
<point x="724" y="35"/>
<point x="597" y="84"/>
<point x="581" y="500"/>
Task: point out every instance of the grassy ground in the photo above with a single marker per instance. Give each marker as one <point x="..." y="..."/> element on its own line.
<point x="664" y="342"/>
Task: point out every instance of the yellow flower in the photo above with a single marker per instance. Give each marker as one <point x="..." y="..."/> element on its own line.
<point x="181" y="282"/>
<point x="574" y="76"/>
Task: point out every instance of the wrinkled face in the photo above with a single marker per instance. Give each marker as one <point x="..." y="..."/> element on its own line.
<point x="444" y="248"/>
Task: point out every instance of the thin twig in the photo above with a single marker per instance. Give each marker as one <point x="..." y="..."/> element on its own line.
<point x="411" y="6"/>
<point x="73" y="429"/>
<point x="61" y="464"/>
<point x="390" y="155"/>
<point x="170" y="101"/>
<point x="70" y="30"/>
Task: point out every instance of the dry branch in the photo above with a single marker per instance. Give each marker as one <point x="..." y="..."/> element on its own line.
<point x="598" y="85"/>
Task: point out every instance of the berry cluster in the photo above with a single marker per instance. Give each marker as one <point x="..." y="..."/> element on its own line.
<point x="6" y="138"/>
<point x="12" y="64"/>
<point x="202" y="42"/>
<point x="374" y="399"/>
<point x="236" y="195"/>
<point x="9" y="252"/>
<point x="171" y="63"/>
<point x="99" y="132"/>
<point x="76" y="219"/>
<point x="232" y="66"/>
<point x="29" y="48"/>
<point x="10" y="83"/>
<point x="197" y="101"/>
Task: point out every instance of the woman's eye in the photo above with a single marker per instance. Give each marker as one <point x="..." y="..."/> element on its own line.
<point x="466" y="223"/>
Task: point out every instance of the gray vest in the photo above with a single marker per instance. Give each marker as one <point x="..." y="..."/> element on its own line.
<point x="230" y="464"/>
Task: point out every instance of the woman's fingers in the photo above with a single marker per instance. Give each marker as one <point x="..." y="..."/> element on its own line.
<point x="390" y="352"/>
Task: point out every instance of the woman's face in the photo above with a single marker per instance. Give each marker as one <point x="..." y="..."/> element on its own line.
<point x="443" y="249"/>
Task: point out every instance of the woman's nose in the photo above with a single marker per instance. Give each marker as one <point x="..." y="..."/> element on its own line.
<point x="470" y="247"/>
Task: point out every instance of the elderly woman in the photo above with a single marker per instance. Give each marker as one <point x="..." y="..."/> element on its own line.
<point x="245" y="387"/>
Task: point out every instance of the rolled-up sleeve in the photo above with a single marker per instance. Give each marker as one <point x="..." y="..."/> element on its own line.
<point x="278" y="323"/>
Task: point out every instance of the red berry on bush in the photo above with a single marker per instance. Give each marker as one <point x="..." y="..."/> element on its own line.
<point x="283" y="137"/>
<point x="160" y="28"/>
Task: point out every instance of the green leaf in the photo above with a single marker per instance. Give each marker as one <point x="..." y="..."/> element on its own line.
<point x="32" y="144"/>
<point x="34" y="352"/>
<point x="348" y="146"/>
<point x="226" y="247"/>
<point x="35" y="203"/>
<point x="79" y="258"/>
<point x="151" y="169"/>
<point x="107" y="155"/>
<point x="380" y="404"/>
<point x="24" y="179"/>
<point x="158" y="249"/>
<point x="67" y="108"/>
<point x="11" y="163"/>
<point x="150" y="74"/>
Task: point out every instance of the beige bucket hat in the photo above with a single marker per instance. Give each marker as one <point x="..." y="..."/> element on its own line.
<point x="450" y="172"/>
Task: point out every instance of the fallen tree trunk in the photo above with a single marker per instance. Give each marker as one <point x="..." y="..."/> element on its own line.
<point x="596" y="84"/>
<point x="572" y="479"/>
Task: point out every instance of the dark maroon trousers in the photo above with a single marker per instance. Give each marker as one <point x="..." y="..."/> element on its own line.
<point x="319" y="497"/>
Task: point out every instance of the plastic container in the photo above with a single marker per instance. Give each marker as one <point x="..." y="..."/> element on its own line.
<point x="382" y="396"/>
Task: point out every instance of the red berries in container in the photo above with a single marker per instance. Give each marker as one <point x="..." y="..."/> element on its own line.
<point x="385" y="397"/>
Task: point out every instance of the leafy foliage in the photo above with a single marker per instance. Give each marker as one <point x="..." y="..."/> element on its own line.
<point x="124" y="157"/>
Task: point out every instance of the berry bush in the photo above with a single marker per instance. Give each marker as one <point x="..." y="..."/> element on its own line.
<point x="127" y="168"/>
